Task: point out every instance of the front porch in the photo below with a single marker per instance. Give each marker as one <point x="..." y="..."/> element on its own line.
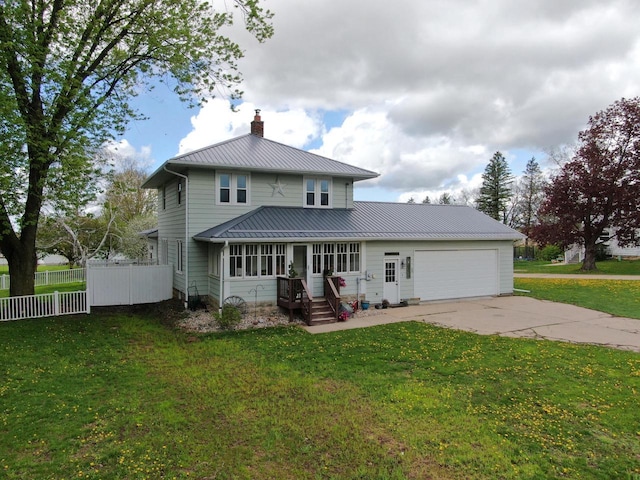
<point x="294" y="294"/>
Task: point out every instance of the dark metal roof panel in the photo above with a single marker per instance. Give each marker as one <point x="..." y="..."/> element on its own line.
<point x="250" y="152"/>
<point x="367" y="220"/>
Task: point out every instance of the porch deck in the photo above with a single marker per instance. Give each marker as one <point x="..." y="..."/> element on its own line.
<point x="294" y="294"/>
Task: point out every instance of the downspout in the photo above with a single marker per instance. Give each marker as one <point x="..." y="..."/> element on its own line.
<point x="186" y="229"/>
<point x="221" y="294"/>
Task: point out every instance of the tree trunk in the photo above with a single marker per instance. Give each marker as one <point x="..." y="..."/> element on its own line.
<point x="589" y="262"/>
<point x="22" y="263"/>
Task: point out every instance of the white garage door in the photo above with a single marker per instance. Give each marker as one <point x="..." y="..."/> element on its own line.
<point x="444" y="274"/>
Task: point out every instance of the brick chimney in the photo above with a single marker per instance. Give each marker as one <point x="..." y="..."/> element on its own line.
<point x="257" y="126"/>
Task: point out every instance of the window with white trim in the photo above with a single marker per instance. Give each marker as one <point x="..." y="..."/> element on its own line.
<point x="354" y="257"/>
<point x="266" y="260"/>
<point x="179" y="255"/>
<point x="257" y="260"/>
<point x="317" y="258"/>
<point x="235" y="260"/>
<point x="251" y="260"/>
<point x="214" y="261"/>
<point x="317" y="192"/>
<point x="164" y="197"/>
<point x="341" y="257"/>
<point x="179" y="192"/>
<point x="335" y="257"/>
<point x="232" y="188"/>
<point x="281" y="259"/>
<point x="328" y="257"/>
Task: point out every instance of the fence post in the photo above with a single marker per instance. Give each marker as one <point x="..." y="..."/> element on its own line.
<point x="46" y="277"/>
<point x="56" y="303"/>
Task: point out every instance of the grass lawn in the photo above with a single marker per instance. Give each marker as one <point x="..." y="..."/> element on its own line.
<point x="65" y="287"/>
<point x="617" y="297"/>
<point x="125" y="396"/>
<point x="608" y="267"/>
<point x="4" y="269"/>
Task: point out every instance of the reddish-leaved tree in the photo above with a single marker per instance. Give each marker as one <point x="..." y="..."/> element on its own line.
<point x="596" y="195"/>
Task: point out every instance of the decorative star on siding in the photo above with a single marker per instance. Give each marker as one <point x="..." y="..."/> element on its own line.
<point x="278" y="187"/>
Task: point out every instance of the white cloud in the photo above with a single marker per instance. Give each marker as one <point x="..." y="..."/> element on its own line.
<point x="217" y="122"/>
<point x="123" y="153"/>
<point x="431" y="89"/>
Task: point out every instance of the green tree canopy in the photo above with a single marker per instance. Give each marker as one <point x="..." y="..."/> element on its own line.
<point x="68" y="70"/>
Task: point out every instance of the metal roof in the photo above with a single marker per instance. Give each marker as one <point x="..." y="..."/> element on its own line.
<point x="365" y="221"/>
<point x="254" y="153"/>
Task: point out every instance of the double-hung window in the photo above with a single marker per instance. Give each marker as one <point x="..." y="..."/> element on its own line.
<point x="317" y="192"/>
<point x="233" y="189"/>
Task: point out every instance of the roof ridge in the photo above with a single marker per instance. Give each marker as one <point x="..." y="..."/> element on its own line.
<point x="383" y="202"/>
<point x="213" y="145"/>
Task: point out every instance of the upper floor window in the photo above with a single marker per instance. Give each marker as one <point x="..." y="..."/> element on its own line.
<point x="233" y="189"/>
<point x="164" y="197"/>
<point x="317" y="192"/>
<point x="179" y="193"/>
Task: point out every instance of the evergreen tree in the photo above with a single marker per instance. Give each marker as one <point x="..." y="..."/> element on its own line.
<point x="446" y="199"/>
<point x="532" y="186"/>
<point x="496" y="188"/>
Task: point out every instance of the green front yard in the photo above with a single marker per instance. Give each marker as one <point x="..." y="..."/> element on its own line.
<point x="125" y="396"/>
<point x="608" y="267"/>
<point x="617" y="297"/>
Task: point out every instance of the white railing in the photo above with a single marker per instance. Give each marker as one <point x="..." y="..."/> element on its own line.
<point x="43" y="305"/>
<point x="51" y="277"/>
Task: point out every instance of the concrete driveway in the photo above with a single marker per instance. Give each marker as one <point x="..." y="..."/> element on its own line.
<point x="510" y="317"/>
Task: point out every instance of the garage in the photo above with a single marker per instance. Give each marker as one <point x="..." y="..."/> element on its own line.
<point x="446" y="274"/>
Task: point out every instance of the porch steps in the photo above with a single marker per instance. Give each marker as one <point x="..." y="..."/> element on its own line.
<point x="321" y="312"/>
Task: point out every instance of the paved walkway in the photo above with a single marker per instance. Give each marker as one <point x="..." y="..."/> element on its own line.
<point x="510" y="317"/>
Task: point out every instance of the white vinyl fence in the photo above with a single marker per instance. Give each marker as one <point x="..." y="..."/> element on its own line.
<point x="106" y="286"/>
<point x="43" y="305"/>
<point x="129" y="285"/>
<point x="51" y="277"/>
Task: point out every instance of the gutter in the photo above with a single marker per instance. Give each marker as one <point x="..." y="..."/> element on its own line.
<point x="222" y="279"/>
<point x="186" y="231"/>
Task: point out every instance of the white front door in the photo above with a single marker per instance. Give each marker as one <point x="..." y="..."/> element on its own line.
<point x="391" y="281"/>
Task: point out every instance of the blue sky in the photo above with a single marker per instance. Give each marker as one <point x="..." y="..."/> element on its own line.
<point x="422" y="92"/>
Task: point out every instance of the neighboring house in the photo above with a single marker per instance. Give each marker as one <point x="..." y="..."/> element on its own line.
<point x="235" y="216"/>
<point x="152" y="244"/>
<point x="575" y="254"/>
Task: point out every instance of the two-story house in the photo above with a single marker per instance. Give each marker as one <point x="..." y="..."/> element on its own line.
<point x="235" y="216"/>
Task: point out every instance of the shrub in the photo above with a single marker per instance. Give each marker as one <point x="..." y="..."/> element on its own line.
<point x="551" y="252"/>
<point x="229" y="317"/>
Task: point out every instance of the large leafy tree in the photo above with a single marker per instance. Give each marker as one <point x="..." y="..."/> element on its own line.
<point x="77" y="236"/>
<point x="134" y="209"/>
<point x="596" y="195"/>
<point x="495" y="191"/>
<point x="68" y="69"/>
